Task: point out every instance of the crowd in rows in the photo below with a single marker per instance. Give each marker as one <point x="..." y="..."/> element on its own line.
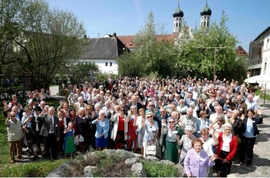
<point x="190" y="121"/>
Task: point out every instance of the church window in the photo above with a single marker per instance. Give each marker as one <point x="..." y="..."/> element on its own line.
<point x="176" y="24"/>
<point x="106" y="63"/>
<point x="110" y="63"/>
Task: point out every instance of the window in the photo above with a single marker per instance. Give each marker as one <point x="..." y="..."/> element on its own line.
<point x="106" y="63"/>
<point x="110" y="63"/>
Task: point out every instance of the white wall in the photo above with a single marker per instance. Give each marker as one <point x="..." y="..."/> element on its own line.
<point x="265" y="68"/>
<point x="111" y="68"/>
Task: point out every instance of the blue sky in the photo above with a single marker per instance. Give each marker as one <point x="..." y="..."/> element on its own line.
<point x="247" y="18"/>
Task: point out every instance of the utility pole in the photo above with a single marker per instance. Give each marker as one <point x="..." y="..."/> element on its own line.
<point x="215" y="57"/>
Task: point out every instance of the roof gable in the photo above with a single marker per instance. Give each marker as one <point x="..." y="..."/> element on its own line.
<point x="240" y="51"/>
<point x="101" y="48"/>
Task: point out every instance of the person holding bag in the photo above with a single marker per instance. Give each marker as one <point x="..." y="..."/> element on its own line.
<point x="151" y="135"/>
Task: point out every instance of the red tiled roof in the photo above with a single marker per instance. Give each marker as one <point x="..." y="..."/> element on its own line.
<point x="240" y="51"/>
<point x="129" y="40"/>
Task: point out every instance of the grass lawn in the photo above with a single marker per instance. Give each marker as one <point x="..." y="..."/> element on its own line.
<point x="267" y="96"/>
<point x="32" y="169"/>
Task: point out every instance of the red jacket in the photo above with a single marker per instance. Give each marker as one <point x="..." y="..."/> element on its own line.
<point x="233" y="146"/>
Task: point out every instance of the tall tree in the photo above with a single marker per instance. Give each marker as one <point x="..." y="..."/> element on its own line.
<point x="49" y="38"/>
<point x="9" y="31"/>
<point x="152" y="54"/>
<point x="210" y="51"/>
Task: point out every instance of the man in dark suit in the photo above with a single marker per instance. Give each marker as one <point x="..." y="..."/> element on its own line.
<point x="51" y="131"/>
<point x="134" y="102"/>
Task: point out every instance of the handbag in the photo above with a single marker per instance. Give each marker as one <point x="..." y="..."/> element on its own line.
<point x="151" y="149"/>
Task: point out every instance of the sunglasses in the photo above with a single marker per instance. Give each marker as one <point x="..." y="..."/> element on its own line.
<point x="12" y="116"/>
<point x="171" y="122"/>
<point x="121" y="109"/>
<point x="149" y="116"/>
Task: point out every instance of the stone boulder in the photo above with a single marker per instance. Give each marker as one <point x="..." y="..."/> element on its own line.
<point x="138" y="170"/>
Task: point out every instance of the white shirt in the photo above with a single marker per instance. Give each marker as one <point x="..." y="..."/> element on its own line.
<point x="208" y="146"/>
<point x="139" y="123"/>
<point x="226" y="142"/>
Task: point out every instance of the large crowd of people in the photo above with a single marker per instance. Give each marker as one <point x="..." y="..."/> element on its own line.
<point x="190" y="121"/>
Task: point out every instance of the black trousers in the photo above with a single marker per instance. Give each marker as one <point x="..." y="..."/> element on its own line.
<point x="246" y="153"/>
<point x="50" y="144"/>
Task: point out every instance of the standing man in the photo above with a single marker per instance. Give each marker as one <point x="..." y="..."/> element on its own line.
<point x="134" y="102"/>
<point x="14" y="130"/>
<point x="51" y="131"/>
<point x="188" y="119"/>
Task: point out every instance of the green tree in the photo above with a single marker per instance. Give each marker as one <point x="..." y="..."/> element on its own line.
<point x="153" y="53"/>
<point x="50" y="37"/>
<point x="75" y="72"/>
<point x="9" y="31"/>
<point x="211" y="49"/>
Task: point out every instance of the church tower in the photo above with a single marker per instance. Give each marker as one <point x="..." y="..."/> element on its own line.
<point x="177" y="20"/>
<point x="205" y="16"/>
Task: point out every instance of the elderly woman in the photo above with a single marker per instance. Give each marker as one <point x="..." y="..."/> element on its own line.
<point x="64" y="108"/>
<point x="226" y="150"/>
<point x="185" y="142"/>
<point x="82" y="128"/>
<point x="197" y="160"/>
<point x="202" y="122"/>
<point x="173" y="134"/>
<point x="139" y="122"/>
<point x="120" y="128"/>
<point x="250" y="131"/>
<point x="102" y="130"/>
<point x="216" y="127"/>
<point x="132" y="135"/>
<point x="208" y="144"/>
<point x="151" y="132"/>
<point x="236" y="123"/>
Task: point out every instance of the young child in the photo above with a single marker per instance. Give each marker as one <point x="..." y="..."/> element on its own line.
<point x="69" y="147"/>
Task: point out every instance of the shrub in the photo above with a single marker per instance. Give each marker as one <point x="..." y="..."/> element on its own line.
<point x="33" y="169"/>
<point x="155" y="169"/>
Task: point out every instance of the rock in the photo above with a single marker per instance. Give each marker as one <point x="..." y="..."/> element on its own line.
<point x="153" y="158"/>
<point x="87" y="171"/>
<point x="180" y="169"/>
<point x="137" y="155"/>
<point x="130" y="160"/>
<point x="109" y="152"/>
<point x="137" y="170"/>
<point x="61" y="171"/>
<point x="124" y="153"/>
<point x="166" y="162"/>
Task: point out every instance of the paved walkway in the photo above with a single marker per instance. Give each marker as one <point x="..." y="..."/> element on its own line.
<point x="261" y="160"/>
